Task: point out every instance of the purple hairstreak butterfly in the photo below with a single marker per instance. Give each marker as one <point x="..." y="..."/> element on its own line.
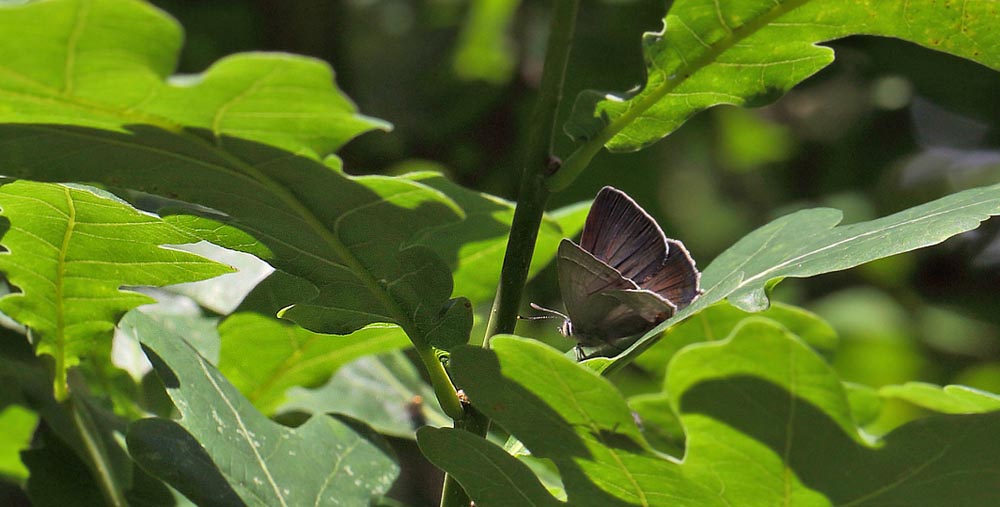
<point x="624" y="277"/>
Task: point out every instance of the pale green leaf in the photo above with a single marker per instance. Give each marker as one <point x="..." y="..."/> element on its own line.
<point x="718" y="320"/>
<point x="484" y="49"/>
<point x="263" y="357"/>
<point x="245" y="139"/>
<point x="103" y="64"/>
<point x="18" y="425"/>
<point x="70" y="252"/>
<point x="946" y="400"/>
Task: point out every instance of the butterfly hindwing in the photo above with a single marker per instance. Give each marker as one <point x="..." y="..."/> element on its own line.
<point x="601" y="303"/>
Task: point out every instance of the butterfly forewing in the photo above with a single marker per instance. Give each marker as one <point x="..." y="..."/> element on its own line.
<point x="620" y="233"/>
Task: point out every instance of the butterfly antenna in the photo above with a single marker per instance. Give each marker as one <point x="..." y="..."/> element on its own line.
<point x="552" y="314"/>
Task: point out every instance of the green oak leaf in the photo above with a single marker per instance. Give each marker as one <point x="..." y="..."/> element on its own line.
<point x="810" y="242"/>
<point x="103" y="64"/>
<point x="70" y="252"/>
<point x="385" y="390"/>
<point x="718" y="320"/>
<point x="750" y="52"/>
<point x="222" y="447"/>
<point x="263" y="357"/>
<point x="757" y="409"/>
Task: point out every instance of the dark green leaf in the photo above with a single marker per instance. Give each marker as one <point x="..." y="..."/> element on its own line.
<point x="757" y="408"/>
<point x="322" y="462"/>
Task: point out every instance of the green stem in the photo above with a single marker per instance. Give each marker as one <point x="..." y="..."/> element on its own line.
<point x="444" y="389"/>
<point x="533" y="193"/>
<point x="531" y="199"/>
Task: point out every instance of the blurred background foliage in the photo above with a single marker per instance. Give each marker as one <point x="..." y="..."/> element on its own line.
<point x="887" y="126"/>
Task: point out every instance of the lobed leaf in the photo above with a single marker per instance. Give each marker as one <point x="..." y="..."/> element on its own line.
<point x="222" y="448"/>
<point x="757" y="408"/>
<point x="385" y="390"/>
<point x="750" y="52"/>
<point x="70" y="252"/>
<point x="264" y="357"/>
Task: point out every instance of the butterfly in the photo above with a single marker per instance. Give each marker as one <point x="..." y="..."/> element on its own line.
<point x="624" y="277"/>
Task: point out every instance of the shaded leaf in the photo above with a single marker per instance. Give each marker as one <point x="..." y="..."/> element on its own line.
<point x="750" y="52"/>
<point x="263" y="357"/>
<point x="322" y="462"/>
<point x="718" y="320"/>
<point x="385" y="391"/>
<point x="70" y="252"/>
<point x="757" y="408"/>
<point x="488" y="474"/>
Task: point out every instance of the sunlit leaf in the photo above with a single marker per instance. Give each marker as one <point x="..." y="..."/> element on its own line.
<point x="946" y="400"/>
<point x="717" y="321"/>
<point x="70" y="252"/>
<point x="750" y="52"/>
<point x="245" y="138"/>
<point x="263" y="357"/>
<point x="18" y="425"/>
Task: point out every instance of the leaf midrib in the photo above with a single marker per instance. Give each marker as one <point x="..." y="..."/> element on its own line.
<point x="689" y="69"/>
<point x="60" y="310"/>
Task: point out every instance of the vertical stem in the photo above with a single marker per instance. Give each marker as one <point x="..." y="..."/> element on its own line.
<point x="533" y="193"/>
<point x="531" y="199"/>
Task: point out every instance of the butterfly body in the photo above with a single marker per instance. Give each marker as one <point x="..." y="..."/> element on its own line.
<point x="625" y="276"/>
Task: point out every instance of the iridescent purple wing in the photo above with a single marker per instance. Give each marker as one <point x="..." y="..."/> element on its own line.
<point x="602" y="304"/>
<point x="621" y="234"/>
